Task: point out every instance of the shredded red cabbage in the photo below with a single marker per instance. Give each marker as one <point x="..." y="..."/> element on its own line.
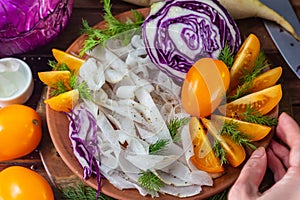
<point x="83" y="135"/>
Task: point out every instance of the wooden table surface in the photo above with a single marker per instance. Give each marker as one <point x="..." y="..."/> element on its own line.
<point x="91" y="10"/>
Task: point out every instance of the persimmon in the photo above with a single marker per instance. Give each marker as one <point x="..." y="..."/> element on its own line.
<point x="204" y="157"/>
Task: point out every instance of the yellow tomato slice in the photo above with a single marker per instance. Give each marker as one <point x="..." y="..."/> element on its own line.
<point x="266" y="79"/>
<point x="235" y="153"/>
<point x="50" y="78"/>
<point x="204" y="158"/>
<point x="244" y="60"/>
<point x="262" y="101"/>
<point x="64" y="102"/>
<point x="253" y="131"/>
<point x="204" y="87"/>
<point x="73" y="62"/>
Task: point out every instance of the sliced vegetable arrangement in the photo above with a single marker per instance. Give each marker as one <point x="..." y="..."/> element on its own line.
<point x="127" y="122"/>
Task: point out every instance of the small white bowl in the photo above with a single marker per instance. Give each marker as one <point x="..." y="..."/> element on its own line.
<point x="16" y="83"/>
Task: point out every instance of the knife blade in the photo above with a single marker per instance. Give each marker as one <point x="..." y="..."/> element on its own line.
<point x="286" y="44"/>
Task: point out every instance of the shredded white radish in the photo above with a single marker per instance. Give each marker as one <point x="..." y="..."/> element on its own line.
<point x="132" y="104"/>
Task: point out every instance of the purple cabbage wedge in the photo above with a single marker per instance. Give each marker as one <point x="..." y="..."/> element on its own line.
<point x="179" y="32"/>
<point x="28" y="24"/>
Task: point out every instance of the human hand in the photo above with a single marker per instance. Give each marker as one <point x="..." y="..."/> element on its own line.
<point x="283" y="161"/>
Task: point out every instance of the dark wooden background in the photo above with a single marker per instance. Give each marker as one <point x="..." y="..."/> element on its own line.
<point x="91" y="10"/>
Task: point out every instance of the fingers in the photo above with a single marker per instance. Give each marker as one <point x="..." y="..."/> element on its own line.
<point x="281" y="152"/>
<point x="275" y="165"/>
<point x="289" y="132"/>
<point x="251" y="176"/>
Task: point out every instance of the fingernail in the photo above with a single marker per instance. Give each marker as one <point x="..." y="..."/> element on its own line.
<point x="258" y="153"/>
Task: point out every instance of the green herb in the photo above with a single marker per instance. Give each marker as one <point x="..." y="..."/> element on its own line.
<point x="114" y="27"/>
<point x="60" y="88"/>
<point x="247" y="80"/>
<point x="260" y="64"/>
<point x="227" y="56"/>
<point x="254" y="116"/>
<point x="82" y="192"/>
<point x="158" y="146"/>
<point x="174" y="126"/>
<point x="220" y="152"/>
<point x="230" y="128"/>
<point x="150" y="182"/>
<point x="58" y="67"/>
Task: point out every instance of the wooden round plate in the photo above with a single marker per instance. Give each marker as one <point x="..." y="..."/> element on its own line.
<point x="58" y="129"/>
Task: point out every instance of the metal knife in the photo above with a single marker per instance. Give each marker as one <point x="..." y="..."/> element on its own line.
<point x="287" y="45"/>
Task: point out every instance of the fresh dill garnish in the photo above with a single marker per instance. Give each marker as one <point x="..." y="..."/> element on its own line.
<point x="254" y="116"/>
<point x="113" y="27"/>
<point x="150" y="182"/>
<point x="231" y="129"/>
<point x="226" y="56"/>
<point x="260" y="64"/>
<point x="82" y="192"/>
<point x="58" y="67"/>
<point x="60" y="88"/>
<point x="247" y="80"/>
<point x="174" y="126"/>
<point x="220" y="152"/>
<point x="158" y="146"/>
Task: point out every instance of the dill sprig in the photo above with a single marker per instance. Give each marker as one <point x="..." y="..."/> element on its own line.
<point x="158" y="146"/>
<point x="254" y="116"/>
<point x="227" y="56"/>
<point x="58" y="67"/>
<point x="150" y="182"/>
<point x="220" y="152"/>
<point x="113" y="27"/>
<point x="247" y="80"/>
<point x="231" y="129"/>
<point x="82" y="192"/>
<point x="60" y="86"/>
<point x="260" y="64"/>
<point x="174" y="125"/>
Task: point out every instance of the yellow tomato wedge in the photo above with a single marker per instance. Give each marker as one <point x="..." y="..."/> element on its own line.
<point x="262" y="101"/>
<point x="244" y="60"/>
<point x="63" y="102"/>
<point x="253" y="131"/>
<point x="204" y="87"/>
<point x="51" y="78"/>
<point x="73" y="62"/>
<point x="235" y="153"/>
<point x="204" y="157"/>
<point x="266" y="79"/>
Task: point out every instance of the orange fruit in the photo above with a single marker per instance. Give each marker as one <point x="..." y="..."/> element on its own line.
<point x="262" y="101"/>
<point x="204" y="157"/>
<point x="235" y="153"/>
<point x="253" y="131"/>
<point x="73" y="62"/>
<point x="204" y="87"/>
<point x="50" y="78"/>
<point x="266" y="79"/>
<point x="64" y="102"/>
<point x="244" y="60"/>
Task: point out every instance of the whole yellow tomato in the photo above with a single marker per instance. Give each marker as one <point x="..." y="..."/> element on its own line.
<point x="205" y="87"/>
<point x="20" y="183"/>
<point x="20" y="131"/>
